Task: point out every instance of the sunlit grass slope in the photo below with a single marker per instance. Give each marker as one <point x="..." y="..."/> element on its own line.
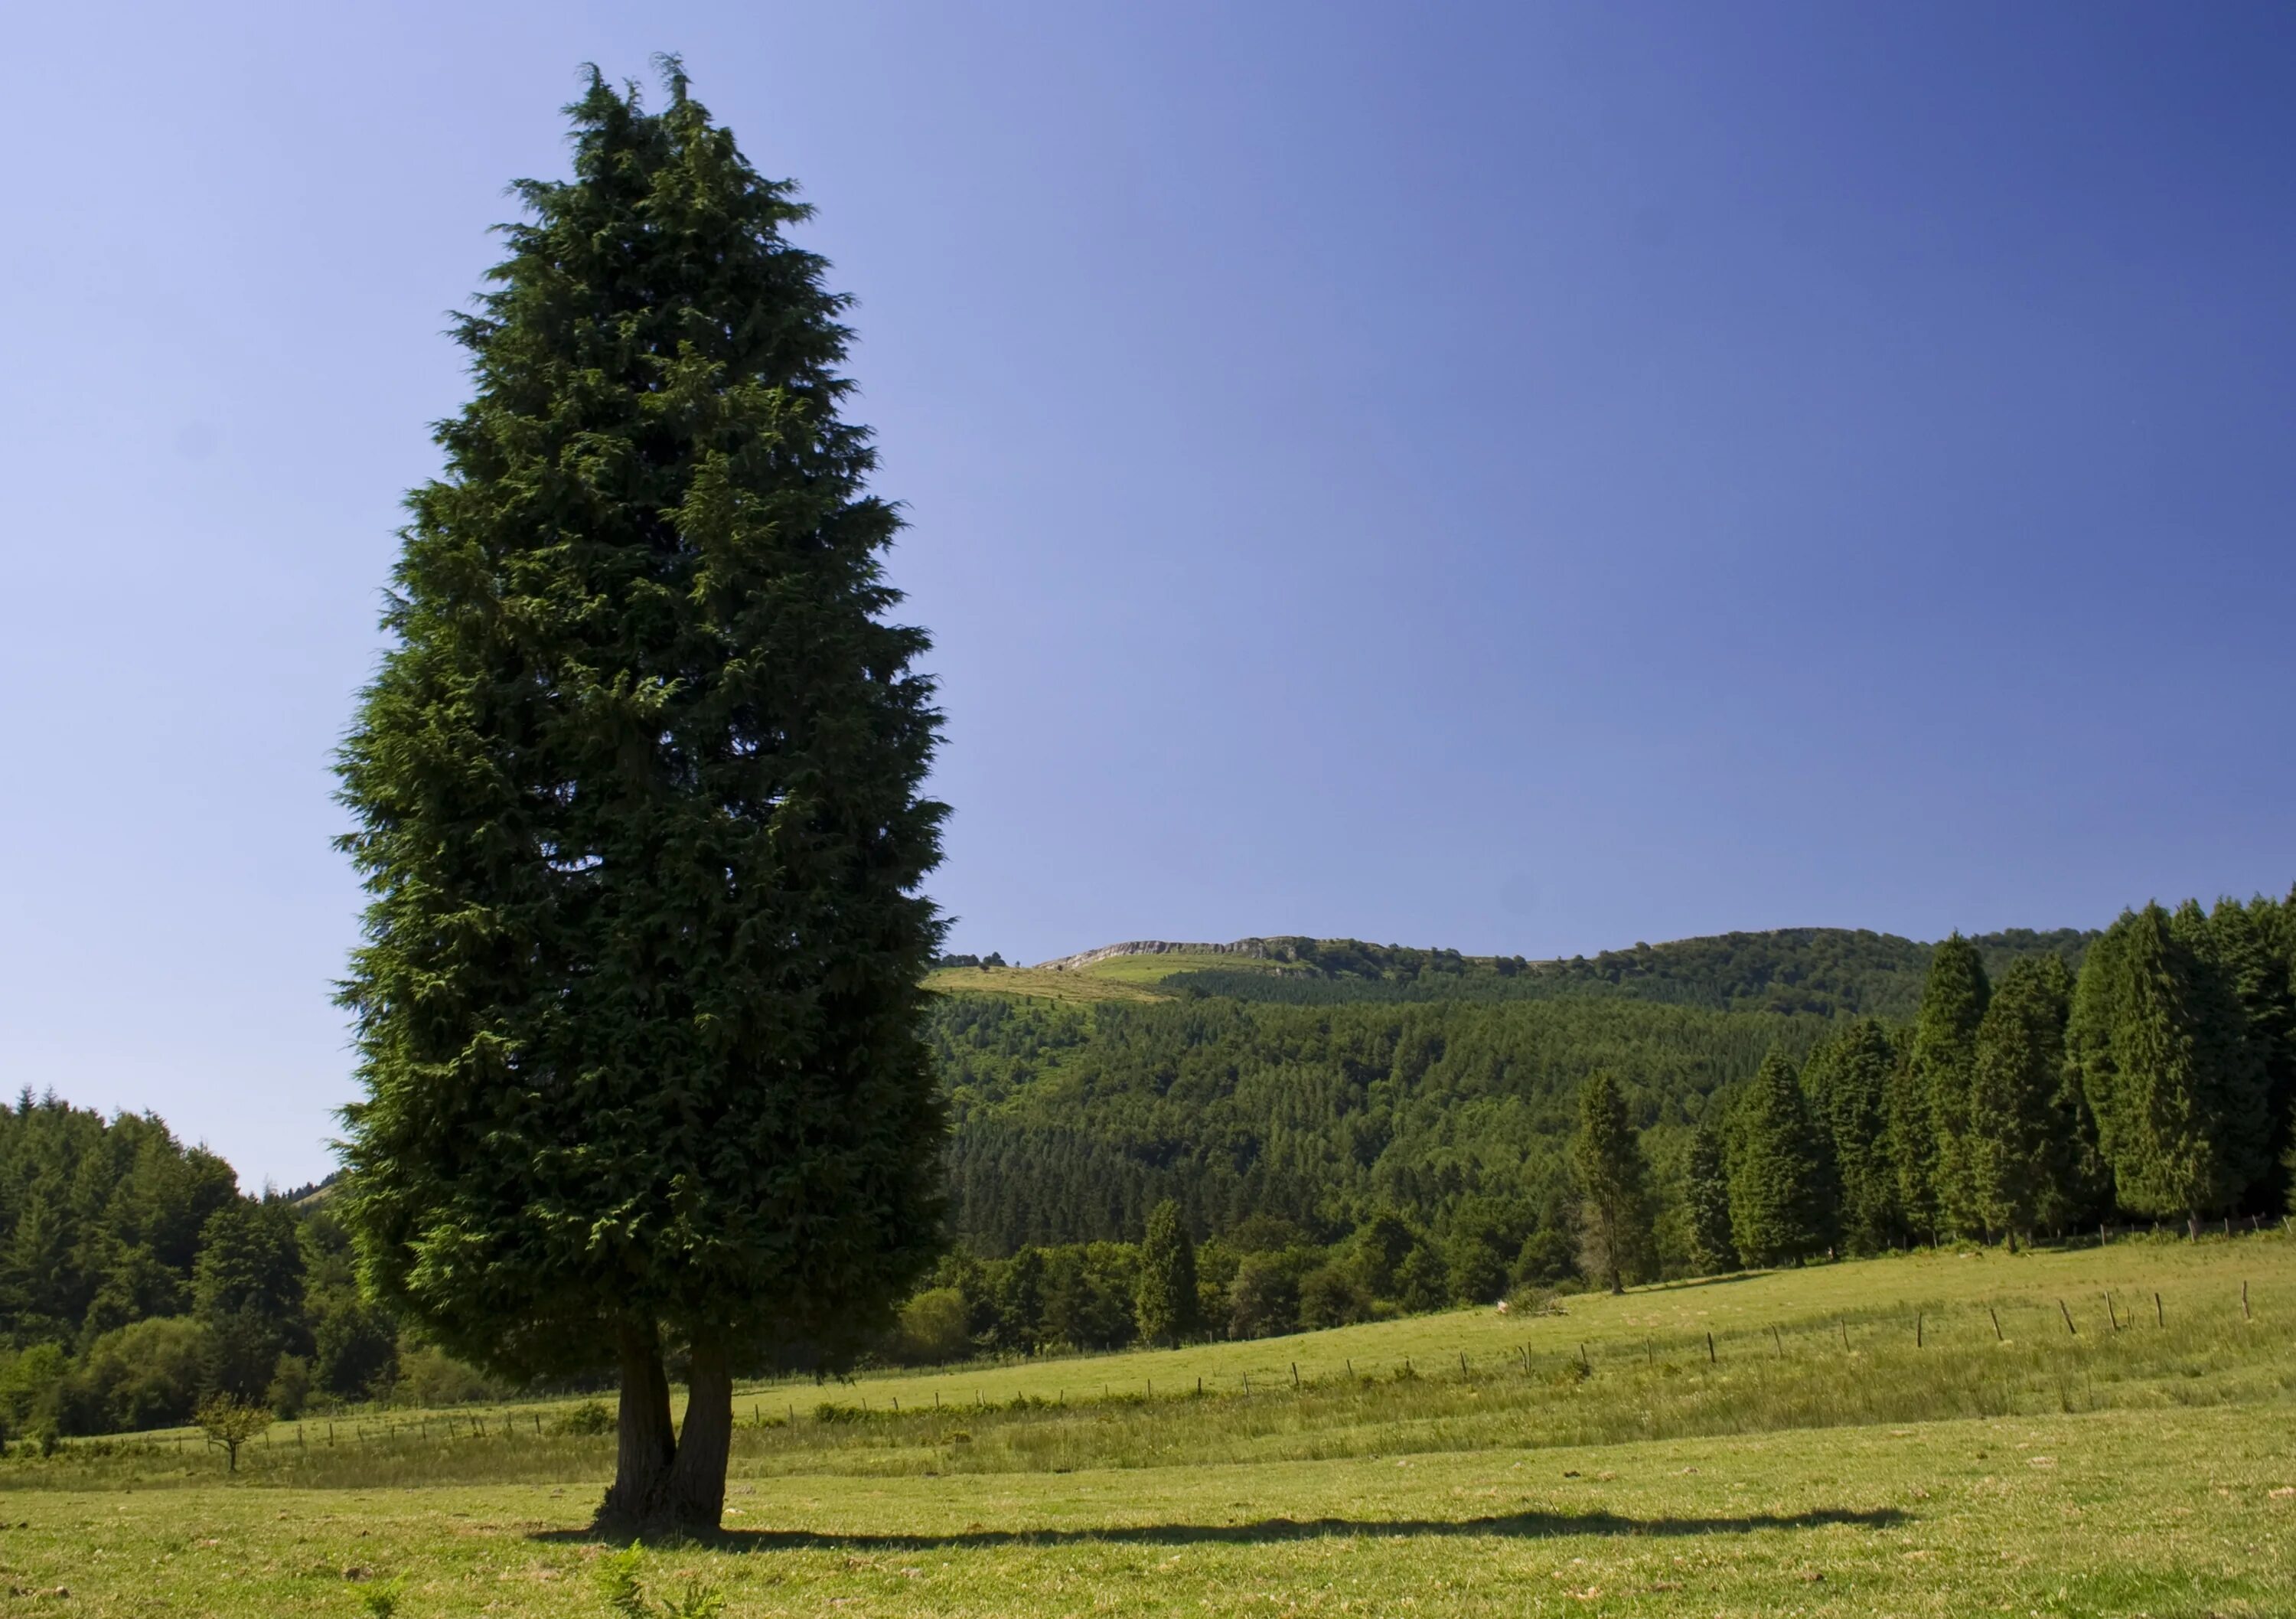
<point x="1931" y="1435"/>
<point x="2164" y="1513"/>
<point x="1037" y="983"/>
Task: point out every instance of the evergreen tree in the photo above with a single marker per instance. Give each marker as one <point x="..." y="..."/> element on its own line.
<point x="1166" y="1304"/>
<point x="1848" y="1078"/>
<point x="248" y="1290"/>
<point x="1942" y="1065"/>
<point x="2178" y="1104"/>
<point x="1614" y="1213"/>
<point x="637" y="793"/>
<point x="2020" y="1147"/>
<point x="2254" y="947"/>
<point x="1781" y="1184"/>
<point x="1712" y="1247"/>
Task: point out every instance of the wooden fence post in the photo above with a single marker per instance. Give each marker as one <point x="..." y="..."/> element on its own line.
<point x="2067" y="1314"/>
<point x="2159" y="1316"/>
<point x="1710" y="1349"/>
<point x="1997" y="1322"/>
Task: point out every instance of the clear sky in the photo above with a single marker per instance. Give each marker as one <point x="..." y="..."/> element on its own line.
<point x="1526" y="479"/>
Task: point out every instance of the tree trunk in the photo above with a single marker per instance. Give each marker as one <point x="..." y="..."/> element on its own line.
<point x="640" y="1494"/>
<point x="697" y="1481"/>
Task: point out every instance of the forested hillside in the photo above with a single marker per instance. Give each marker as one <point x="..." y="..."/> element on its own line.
<point x="1352" y="1131"/>
<point x="1072" y="1122"/>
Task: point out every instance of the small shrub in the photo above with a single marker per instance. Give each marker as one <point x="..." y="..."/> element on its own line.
<point x="587" y="1420"/>
<point x="229" y="1422"/>
<point x="932" y="1328"/>
<point x="625" y="1593"/>
<point x="1533" y="1298"/>
<point x="290" y="1387"/>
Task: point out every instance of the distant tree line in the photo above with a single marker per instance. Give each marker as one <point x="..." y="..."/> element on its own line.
<point x="137" y="1279"/>
<point x="2159" y="1083"/>
<point x="1127" y="1174"/>
<point x="1807" y="971"/>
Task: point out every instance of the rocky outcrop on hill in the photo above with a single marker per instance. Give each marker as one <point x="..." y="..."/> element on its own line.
<point x="1256" y="948"/>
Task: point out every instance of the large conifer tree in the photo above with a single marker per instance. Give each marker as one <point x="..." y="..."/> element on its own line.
<point x="1848" y="1078"/>
<point x="1614" y="1213"/>
<point x="1165" y="1303"/>
<point x="2253" y="946"/>
<point x="2020" y="1149"/>
<point x="1781" y="1180"/>
<point x="1712" y="1246"/>
<point x="637" y="791"/>
<point x="1941" y="1064"/>
<point x="2156" y="1034"/>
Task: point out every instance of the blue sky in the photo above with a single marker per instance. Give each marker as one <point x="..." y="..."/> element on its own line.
<point x="1528" y="479"/>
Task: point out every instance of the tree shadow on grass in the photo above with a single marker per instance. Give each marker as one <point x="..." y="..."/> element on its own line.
<point x="1523" y="1526"/>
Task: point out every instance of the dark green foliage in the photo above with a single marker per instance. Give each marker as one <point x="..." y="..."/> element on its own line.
<point x="1330" y="1297"/>
<point x="1614" y="1210"/>
<point x="1781" y="1174"/>
<point x="100" y="1220"/>
<point x="1941" y="1062"/>
<point x="637" y="802"/>
<point x="1073" y="1121"/>
<point x="2020" y="1149"/>
<point x="1088" y="1292"/>
<point x="1487" y="1233"/>
<point x="248" y="1292"/>
<point x="1713" y="1245"/>
<point x="2170" y="1074"/>
<point x="2253" y="948"/>
<point x="1849" y="1079"/>
<point x="1167" y="1296"/>
<point x="1813" y="971"/>
<point x="1264" y="1298"/>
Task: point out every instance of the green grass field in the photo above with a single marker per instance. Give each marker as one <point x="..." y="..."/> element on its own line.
<point x="1038" y="983"/>
<point x="2136" y="1460"/>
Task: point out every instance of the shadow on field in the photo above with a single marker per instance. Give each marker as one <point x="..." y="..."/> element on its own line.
<point x="1526" y="1525"/>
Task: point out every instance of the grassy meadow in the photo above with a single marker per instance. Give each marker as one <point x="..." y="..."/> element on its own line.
<point x="1113" y="978"/>
<point x="2104" y="1452"/>
<point x="2103" y="1429"/>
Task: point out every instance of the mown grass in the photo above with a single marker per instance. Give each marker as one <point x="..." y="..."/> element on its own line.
<point x="2127" y="1468"/>
<point x="2179" y="1513"/>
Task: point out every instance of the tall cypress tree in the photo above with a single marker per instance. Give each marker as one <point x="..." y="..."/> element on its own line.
<point x="2253" y="946"/>
<point x="1614" y="1213"/>
<point x="1165" y="1302"/>
<point x="1911" y="1132"/>
<point x="1782" y="1183"/>
<point x="1712" y="1247"/>
<point x="1848" y="1078"/>
<point x="637" y="795"/>
<point x="1942" y="1064"/>
<point x="2020" y="1149"/>
<point x="2179" y="1104"/>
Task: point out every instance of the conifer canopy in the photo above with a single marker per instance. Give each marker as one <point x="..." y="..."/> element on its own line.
<point x="2167" y="1066"/>
<point x="1781" y="1181"/>
<point x="1614" y="1213"/>
<point x="638" y="803"/>
<point x="1165" y="1301"/>
<point x="1942" y="1065"/>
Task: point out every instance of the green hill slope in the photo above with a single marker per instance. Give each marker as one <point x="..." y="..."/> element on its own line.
<point x="1818" y="970"/>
